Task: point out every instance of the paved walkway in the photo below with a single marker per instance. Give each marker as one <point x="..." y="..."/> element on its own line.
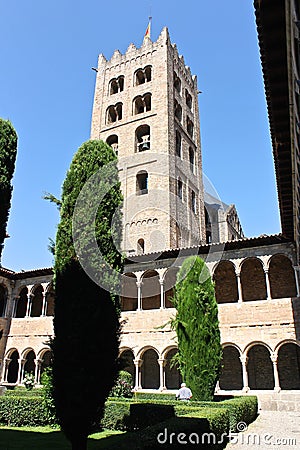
<point x="271" y="430"/>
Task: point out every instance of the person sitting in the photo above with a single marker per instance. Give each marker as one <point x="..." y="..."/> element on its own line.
<point x="184" y="393"/>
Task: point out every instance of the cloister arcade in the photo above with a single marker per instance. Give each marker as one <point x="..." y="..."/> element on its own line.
<point x="17" y="365"/>
<point x="248" y="279"/>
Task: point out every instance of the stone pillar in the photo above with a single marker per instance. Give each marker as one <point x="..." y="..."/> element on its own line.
<point x="21" y="362"/>
<point x="138" y="363"/>
<point x="37" y="372"/>
<point x="276" y="374"/>
<point x="239" y="284"/>
<point x="162" y="374"/>
<point x="268" y="284"/>
<point x="44" y="306"/>
<point x="162" y="294"/>
<point x="296" y="269"/>
<point x="29" y="303"/>
<point x="6" y="366"/>
<point x="244" y="361"/>
<point x="139" y="293"/>
<point x="14" y="308"/>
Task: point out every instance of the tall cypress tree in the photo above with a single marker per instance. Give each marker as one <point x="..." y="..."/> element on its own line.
<point x="8" y="153"/>
<point x="197" y="328"/>
<point x="86" y="319"/>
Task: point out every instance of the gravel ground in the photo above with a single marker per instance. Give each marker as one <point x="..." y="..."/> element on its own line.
<point x="271" y="430"/>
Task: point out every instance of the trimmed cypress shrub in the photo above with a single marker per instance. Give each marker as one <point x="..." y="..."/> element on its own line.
<point x="8" y="153"/>
<point x="86" y="318"/>
<point x="197" y="328"/>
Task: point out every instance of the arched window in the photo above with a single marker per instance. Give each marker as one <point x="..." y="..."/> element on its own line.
<point x="116" y="85"/>
<point x="178" y="144"/>
<point x="189" y="127"/>
<point x="188" y="99"/>
<point x="13" y="368"/>
<point x="129" y="300"/>
<point x="142" y="104"/>
<point x="177" y="83"/>
<point x="22" y="303"/>
<point x="281" y="269"/>
<point x="142" y="135"/>
<point x="150" y="370"/>
<point x="226" y="288"/>
<point x="140" y="247"/>
<point x="192" y="159"/>
<point x="113" y="142"/>
<point x="253" y="280"/>
<point x="37" y="302"/>
<point x="142" y="183"/>
<point x="143" y="75"/>
<point x="177" y="110"/>
<point x="114" y="113"/>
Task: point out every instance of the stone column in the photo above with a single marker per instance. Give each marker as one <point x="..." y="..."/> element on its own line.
<point x="21" y="362"/>
<point x="138" y="363"/>
<point x="44" y="306"/>
<point x="37" y="372"/>
<point x="162" y="294"/>
<point x="244" y="361"/>
<point x="6" y="366"/>
<point x="14" y="308"/>
<point x="162" y="374"/>
<point x="239" y="284"/>
<point x="29" y="303"/>
<point x="268" y="284"/>
<point x="296" y="269"/>
<point x="276" y="374"/>
<point x="139" y="293"/>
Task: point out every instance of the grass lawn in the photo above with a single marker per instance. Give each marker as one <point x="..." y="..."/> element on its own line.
<point x="46" y="438"/>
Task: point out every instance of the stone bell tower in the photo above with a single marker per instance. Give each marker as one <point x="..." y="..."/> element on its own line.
<point x="146" y="108"/>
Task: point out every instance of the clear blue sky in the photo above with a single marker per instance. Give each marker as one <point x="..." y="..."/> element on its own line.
<point x="47" y="85"/>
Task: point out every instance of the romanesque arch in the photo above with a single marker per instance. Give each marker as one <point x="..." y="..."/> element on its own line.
<point x="231" y="374"/>
<point x="288" y="364"/>
<point x="173" y="377"/>
<point x="50" y="298"/>
<point x="29" y="366"/>
<point x="22" y="303"/>
<point x="226" y="288"/>
<point x="150" y="290"/>
<point x="253" y="280"/>
<point x="169" y="284"/>
<point x="126" y="362"/>
<point x="3" y="299"/>
<point x="129" y="300"/>
<point x="37" y="301"/>
<point x="45" y="358"/>
<point x="13" y="367"/>
<point x="282" y="277"/>
<point x="150" y="369"/>
<point x="260" y="368"/>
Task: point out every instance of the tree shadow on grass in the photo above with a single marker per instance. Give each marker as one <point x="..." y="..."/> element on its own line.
<point x="53" y="440"/>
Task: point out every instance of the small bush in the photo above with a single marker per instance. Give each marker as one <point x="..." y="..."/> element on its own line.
<point x="116" y="415"/>
<point x="123" y="386"/>
<point x="47" y="395"/>
<point x="29" y="381"/>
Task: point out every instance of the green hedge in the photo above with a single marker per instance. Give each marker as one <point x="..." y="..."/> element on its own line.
<point x="145" y="414"/>
<point x="116" y="414"/>
<point x="23" y="411"/>
<point x="23" y="392"/>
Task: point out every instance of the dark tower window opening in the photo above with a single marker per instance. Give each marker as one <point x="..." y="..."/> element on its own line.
<point x="142" y="183"/>
<point x="113" y="142"/>
<point x="192" y="159"/>
<point x="142" y="104"/>
<point x="142" y="138"/>
<point x="143" y="75"/>
<point x="193" y="202"/>
<point x="177" y="83"/>
<point x="188" y="99"/>
<point x="178" y="144"/>
<point x="114" y="113"/>
<point x="208" y="227"/>
<point x="177" y="110"/>
<point x="190" y="127"/>
<point x="140" y="247"/>
<point x="179" y="188"/>
<point x="116" y="85"/>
